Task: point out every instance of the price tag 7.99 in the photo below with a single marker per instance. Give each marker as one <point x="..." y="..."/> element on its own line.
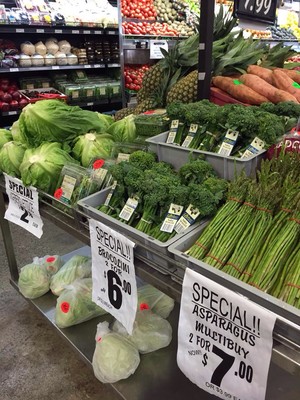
<point x="23" y="207"/>
<point x="224" y="340"/>
<point x="113" y="273"/>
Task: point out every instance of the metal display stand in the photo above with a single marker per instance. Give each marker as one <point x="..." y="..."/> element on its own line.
<point x="158" y="375"/>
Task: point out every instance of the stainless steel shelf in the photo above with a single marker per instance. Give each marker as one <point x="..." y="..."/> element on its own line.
<point x="158" y="375"/>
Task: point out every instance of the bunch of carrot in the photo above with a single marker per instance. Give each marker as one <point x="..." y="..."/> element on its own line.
<point x="260" y="85"/>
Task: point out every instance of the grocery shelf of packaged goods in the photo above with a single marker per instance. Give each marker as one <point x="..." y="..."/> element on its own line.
<point x="61" y="30"/>
<point x="59" y="67"/>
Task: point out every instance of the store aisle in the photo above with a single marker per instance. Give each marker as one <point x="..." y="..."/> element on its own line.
<point x="35" y="363"/>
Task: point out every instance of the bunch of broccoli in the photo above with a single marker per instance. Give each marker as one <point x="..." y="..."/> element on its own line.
<point x="156" y="185"/>
<point x="268" y="122"/>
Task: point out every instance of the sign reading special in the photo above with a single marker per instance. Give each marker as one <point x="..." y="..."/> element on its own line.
<point x="224" y="340"/>
<point x="23" y="206"/>
<point x="113" y="273"/>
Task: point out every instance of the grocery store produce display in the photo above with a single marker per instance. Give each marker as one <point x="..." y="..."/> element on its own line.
<point x="159" y="193"/>
<point x="255" y="235"/>
<point x="175" y="78"/>
<point x="262" y="85"/>
<point x="212" y="122"/>
<point x="134" y="76"/>
<point x="10" y="97"/>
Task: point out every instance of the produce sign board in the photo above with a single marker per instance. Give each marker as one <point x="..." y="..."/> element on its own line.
<point x="113" y="273"/>
<point x="224" y="340"/>
<point x="256" y="10"/>
<point x="23" y="207"/>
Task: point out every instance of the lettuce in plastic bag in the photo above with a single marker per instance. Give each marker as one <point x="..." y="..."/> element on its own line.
<point x="75" y="304"/>
<point x="150" y="331"/>
<point x="115" y="358"/>
<point x="51" y="263"/>
<point x="157" y="301"/>
<point x="77" y="267"/>
<point x="33" y="281"/>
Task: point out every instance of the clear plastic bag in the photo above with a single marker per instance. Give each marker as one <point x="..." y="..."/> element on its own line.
<point x="115" y="358"/>
<point x="77" y="267"/>
<point x="33" y="281"/>
<point x="75" y="304"/>
<point x="150" y="332"/>
<point x="51" y="264"/>
<point x="157" y="301"/>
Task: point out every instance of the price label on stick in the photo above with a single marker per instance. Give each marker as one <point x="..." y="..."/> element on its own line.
<point x="23" y="207"/>
<point x="113" y="273"/>
<point x="224" y="340"/>
<point x="155" y="46"/>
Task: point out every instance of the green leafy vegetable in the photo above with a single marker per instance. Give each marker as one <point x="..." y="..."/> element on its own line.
<point x="150" y="331"/>
<point x="75" y="304"/>
<point x="115" y="358"/>
<point x="11" y="156"/>
<point x="91" y="145"/>
<point x="5" y="136"/>
<point x="123" y="130"/>
<point x="41" y="167"/>
<point x="33" y="281"/>
<point x="77" y="267"/>
<point x="55" y="121"/>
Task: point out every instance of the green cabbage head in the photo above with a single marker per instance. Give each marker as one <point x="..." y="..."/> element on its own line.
<point x="92" y="145"/>
<point x="55" y="121"/>
<point x="5" y="136"/>
<point x="16" y="133"/>
<point x="41" y="167"/>
<point x="75" y="304"/>
<point x="11" y="156"/>
<point x="123" y="130"/>
<point x="33" y="281"/>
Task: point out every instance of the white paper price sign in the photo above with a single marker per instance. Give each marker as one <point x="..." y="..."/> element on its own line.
<point x="224" y="340"/>
<point x="23" y="207"/>
<point x="155" y="46"/>
<point x="113" y="273"/>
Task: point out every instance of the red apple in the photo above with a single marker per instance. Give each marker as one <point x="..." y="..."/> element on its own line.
<point x="14" y="105"/>
<point x="23" y="103"/>
<point x="6" y="98"/>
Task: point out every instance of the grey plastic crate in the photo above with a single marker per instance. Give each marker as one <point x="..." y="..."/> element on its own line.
<point x="265" y="300"/>
<point x="225" y="167"/>
<point x="151" y="249"/>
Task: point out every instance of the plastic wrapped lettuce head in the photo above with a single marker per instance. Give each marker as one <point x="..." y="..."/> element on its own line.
<point x="150" y="331"/>
<point x="52" y="264"/>
<point x="75" y="304"/>
<point x="157" y="301"/>
<point x="115" y="358"/>
<point x="33" y="281"/>
<point x="77" y="267"/>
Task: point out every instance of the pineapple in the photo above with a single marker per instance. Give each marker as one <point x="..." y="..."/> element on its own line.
<point x="141" y="96"/>
<point x="123" y="113"/>
<point x="185" y="90"/>
<point x="145" y="105"/>
<point x="153" y="78"/>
